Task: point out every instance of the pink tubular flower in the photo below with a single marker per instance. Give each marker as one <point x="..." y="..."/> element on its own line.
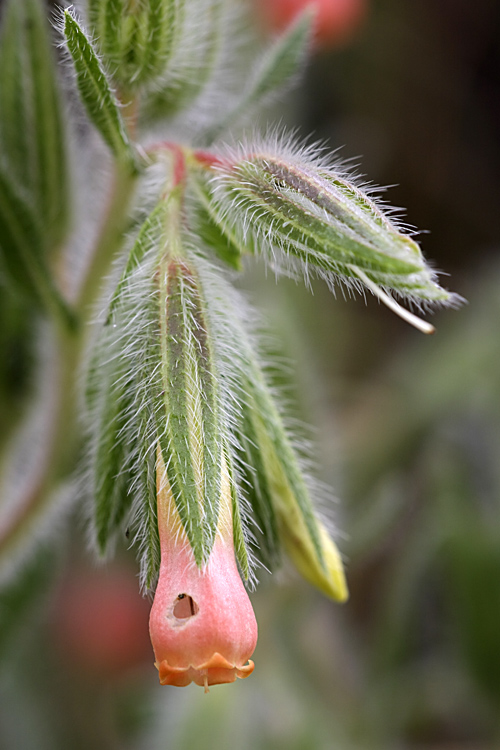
<point x="202" y="624"/>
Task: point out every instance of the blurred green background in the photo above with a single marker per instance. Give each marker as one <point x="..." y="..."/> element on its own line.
<point x="406" y="430"/>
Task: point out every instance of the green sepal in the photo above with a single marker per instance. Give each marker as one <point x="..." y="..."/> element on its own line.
<point x="96" y="92"/>
<point x="280" y="472"/>
<point x="256" y="487"/>
<point x="274" y="73"/>
<point x="284" y="499"/>
<point x="31" y="124"/>
<point x="191" y="441"/>
<point x="150" y="550"/>
<point x="22" y="252"/>
<point x="240" y="547"/>
<point x="111" y="471"/>
<point x="214" y="229"/>
<point x="151" y="235"/>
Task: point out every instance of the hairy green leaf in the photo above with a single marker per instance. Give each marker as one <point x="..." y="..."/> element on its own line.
<point x="22" y="251"/>
<point x="150" y="541"/>
<point x="281" y="64"/>
<point x="31" y="126"/>
<point x="119" y="420"/>
<point x="192" y="430"/>
<point x="196" y="51"/>
<point x="136" y="40"/>
<point x="272" y="472"/>
<point x="151" y="235"/>
<point x="240" y="547"/>
<point x="274" y="73"/>
<point x="17" y="342"/>
<point x="52" y="179"/>
<point x="111" y="474"/>
<point x="152" y="41"/>
<point x="256" y="487"/>
<point x="213" y="227"/>
<point x="107" y="19"/>
<point x="14" y="92"/>
<point x="95" y="90"/>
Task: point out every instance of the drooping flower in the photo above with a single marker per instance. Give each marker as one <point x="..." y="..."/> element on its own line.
<point x="202" y="624"/>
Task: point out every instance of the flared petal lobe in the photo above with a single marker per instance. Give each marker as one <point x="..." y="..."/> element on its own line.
<point x="202" y="624"/>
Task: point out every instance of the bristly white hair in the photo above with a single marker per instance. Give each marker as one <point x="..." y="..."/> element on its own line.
<point x="231" y="187"/>
<point x="239" y="336"/>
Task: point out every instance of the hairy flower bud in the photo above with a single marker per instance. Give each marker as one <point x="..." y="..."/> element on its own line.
<point x="278" y="198"/>
<point x="202" y="624"/>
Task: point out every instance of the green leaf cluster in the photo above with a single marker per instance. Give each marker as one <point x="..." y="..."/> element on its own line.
<point x="154" y="386"/>
<point x="173" y="377"/>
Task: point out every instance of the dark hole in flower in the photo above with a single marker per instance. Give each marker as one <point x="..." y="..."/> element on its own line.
<point x="185" y="606"/>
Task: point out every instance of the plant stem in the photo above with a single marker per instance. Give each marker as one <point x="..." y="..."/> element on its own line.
<point x="61" y="433"/>
<point x="58" y="443"/>
<point x="109" y="239"/>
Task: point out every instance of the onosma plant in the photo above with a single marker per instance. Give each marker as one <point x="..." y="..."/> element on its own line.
<point x="148" y="356"/>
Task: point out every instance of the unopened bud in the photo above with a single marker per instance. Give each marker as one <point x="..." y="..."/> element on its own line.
<point x="321" y="222"/>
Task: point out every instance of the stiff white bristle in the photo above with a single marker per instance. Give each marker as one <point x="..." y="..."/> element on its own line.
<point x="391" y="303"/>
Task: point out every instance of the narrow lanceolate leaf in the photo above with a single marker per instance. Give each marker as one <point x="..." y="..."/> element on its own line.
<point x="95" y="90"/>
<point x="136" y="40"/>
<point x="282" y="502"/>
<point x="196" y="48"/>
<point x="240" y="547"/>
<point x="22" y="251"/>
<point x="107" y="19"/>
<point x="31" y="125"/>
<point x="283" y="61"/>
<point x="14" y="109"/>
<point x="149" y="551"/>
<point x="256" y="486"/>
<point x="274" y="73"/>
<point x="152" y="33"/>
<point x="111" y="471"/>
<point x="192" y="440"/>
<point x="271" y="469"/>
<point x="151" y="235"/>
<point x="321" y="222"/>
<point x="52" y="178"/>
<point x="121" y="420"/>
<point x="213" y="227"/>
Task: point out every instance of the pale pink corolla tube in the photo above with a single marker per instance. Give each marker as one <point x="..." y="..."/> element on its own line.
<point x="202" y="624"/>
